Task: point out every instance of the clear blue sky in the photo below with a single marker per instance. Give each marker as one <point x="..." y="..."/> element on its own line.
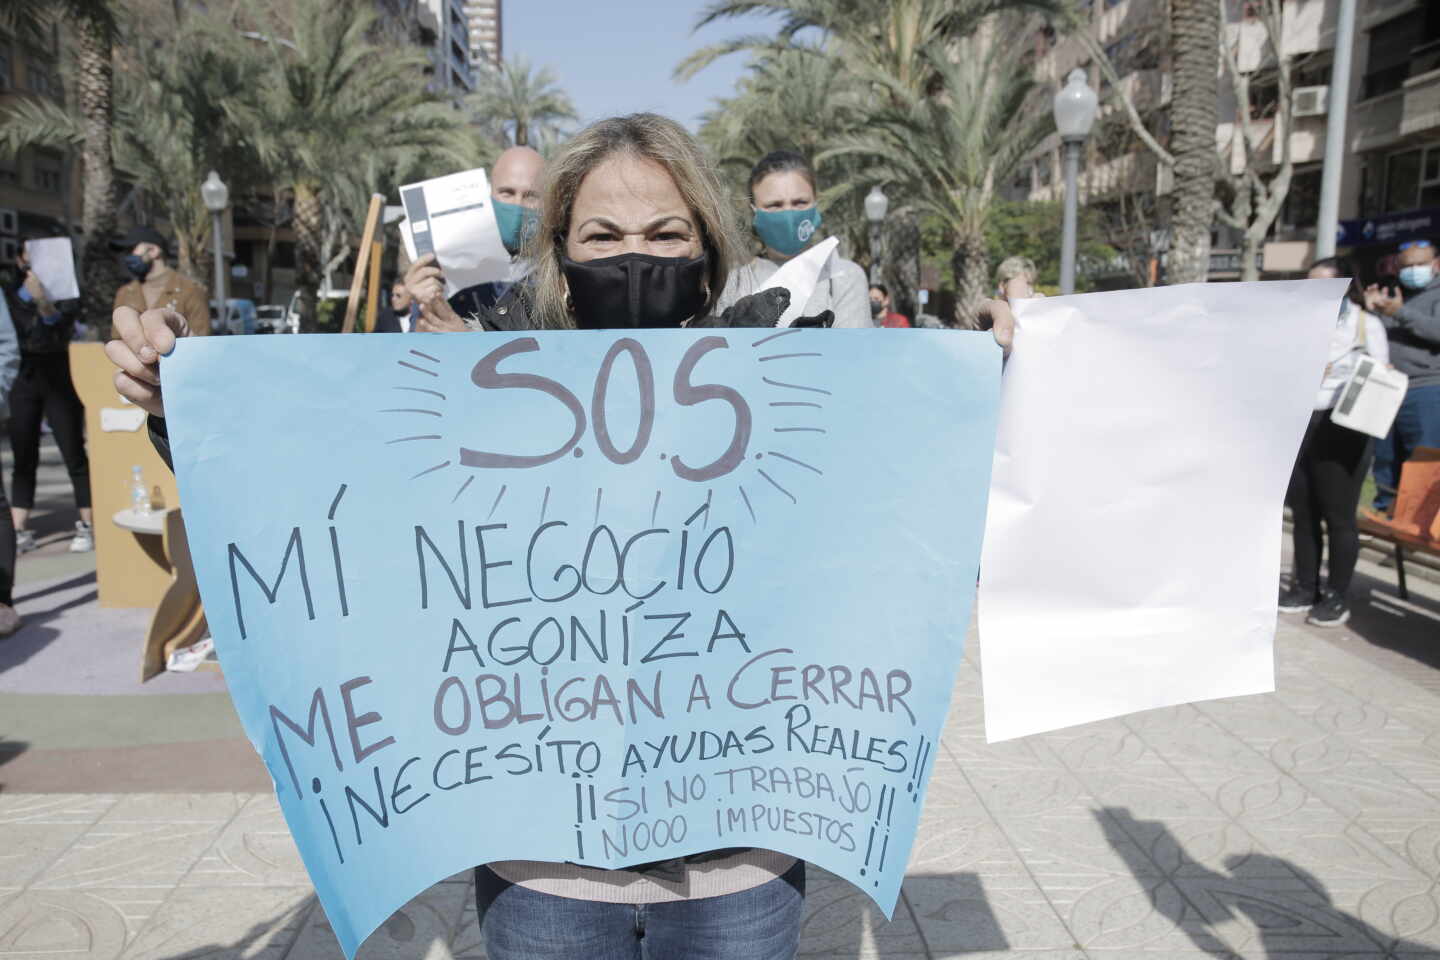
<point x="616" y="56"/>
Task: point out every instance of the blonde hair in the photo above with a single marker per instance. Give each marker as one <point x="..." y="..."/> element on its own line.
<point x="1012" y="267"/>
<point x="651" y="137"/>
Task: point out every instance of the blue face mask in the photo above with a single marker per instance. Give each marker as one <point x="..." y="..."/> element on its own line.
<point x="516" y="224"/>
<point x="787" y="231"/>
<point x="1417" y="277"/>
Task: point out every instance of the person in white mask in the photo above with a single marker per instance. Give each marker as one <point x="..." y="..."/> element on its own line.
<point x="1411" y="316"/>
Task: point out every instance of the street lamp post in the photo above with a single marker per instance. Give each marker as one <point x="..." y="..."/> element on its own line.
<point x="876" y="206"/>
<point x="216" y="196"/>
<point x="1075" y="107"/>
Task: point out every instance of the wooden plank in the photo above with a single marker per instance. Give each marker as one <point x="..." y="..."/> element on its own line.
<point x="372" y="220"/>
<point x="372" y="299"/>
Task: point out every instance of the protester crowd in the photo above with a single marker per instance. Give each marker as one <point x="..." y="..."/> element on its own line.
<point x="629" y="226"/>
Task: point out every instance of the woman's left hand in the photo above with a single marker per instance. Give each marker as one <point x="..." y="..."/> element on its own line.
<point x="439" y="318"/>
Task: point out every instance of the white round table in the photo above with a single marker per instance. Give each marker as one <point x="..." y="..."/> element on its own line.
<point x="136" y="522"/>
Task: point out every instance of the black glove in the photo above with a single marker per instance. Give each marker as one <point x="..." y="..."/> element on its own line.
<point x="825" y="319"/>
<point x="761" y="309"/>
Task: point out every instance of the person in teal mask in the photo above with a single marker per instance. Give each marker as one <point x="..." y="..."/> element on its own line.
<point x="787" y="222"/>
<point x="515" y="195"/>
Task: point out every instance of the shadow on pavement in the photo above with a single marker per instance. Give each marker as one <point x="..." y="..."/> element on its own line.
<point x="9" y="750"/>
<point x="1382" y="619"/>
<point x="80" y="581"/>
<point x="1288" y="908"/>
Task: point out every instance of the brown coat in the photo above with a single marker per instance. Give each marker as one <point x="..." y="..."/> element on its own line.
<point x="181" y="294"/>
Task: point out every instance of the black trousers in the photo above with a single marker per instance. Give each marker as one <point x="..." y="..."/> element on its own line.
<point x="43" y="390"/>
<point x="1325" y="488"/>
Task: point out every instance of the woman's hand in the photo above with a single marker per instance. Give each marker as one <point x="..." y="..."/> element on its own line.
<point x="426" y="283"/>
<point x="1386" y="302"/>
<point x="1001" y="321"/>
<point x="141" y="339"/>
<point x="433" y="321"/>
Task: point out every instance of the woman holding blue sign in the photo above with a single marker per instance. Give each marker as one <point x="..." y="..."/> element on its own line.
<point x="634" y="233"/>
<point x="787" y="221"/>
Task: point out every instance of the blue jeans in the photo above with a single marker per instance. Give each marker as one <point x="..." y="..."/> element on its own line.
<point x="762" y="923"/>
<point x="1416" y="425"/>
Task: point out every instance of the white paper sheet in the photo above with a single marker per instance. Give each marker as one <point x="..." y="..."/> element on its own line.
<point x="1132" y="546"/>
<point x="53" y="260"/>
<point x="801" y="276"/>
<point x="454" y="218"/>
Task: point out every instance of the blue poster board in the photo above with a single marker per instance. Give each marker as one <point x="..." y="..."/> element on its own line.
<point x="600" y="597"/>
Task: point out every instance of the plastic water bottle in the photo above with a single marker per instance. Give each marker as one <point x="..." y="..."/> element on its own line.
<point x="139" y="493"/>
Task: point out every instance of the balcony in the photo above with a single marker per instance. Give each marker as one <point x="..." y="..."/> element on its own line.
<point x="1375" y="123"/>
<point x="1421" y="104"/>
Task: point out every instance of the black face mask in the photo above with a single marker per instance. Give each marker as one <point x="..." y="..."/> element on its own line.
<point x="635" y="291"/>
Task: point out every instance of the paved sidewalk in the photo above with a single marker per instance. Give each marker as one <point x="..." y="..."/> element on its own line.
<point x="1303" y="824"/>
<point x="1300" y="824"/>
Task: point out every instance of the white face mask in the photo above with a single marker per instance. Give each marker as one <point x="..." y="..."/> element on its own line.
<point x="1417" y="276"/>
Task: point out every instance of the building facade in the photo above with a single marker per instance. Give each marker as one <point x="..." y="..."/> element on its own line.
<point x="484" y="18"/>
<point x="1390" y="185"/>
<point x="39" y="189"/>
<point x="446" y="35"/>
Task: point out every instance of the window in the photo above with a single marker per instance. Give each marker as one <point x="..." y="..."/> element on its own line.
<point x="1412" y="179"/>
<point x="1389" y="62"/>
<point x="46" y="171"/>
<point x="1397" y="50"/>
<point x="1302" y="203"/>
<point x="1430" y="179"/>
<point x="40" y="80"/>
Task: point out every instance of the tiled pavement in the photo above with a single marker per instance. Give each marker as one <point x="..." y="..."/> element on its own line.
<point x="1303" y="824"/>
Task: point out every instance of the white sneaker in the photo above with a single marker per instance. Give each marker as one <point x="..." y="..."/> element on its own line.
<point x="84" y="539"/>
<point x="25" y="541"/>
<point x="9" y="620"/>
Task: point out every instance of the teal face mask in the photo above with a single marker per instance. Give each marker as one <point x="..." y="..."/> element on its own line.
<point x="787" y="231"/>
<point x="516" y="223"/>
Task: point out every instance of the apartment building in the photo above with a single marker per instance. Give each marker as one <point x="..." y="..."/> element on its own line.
<point x="1390" y="187"/>
<point x="446" y="35"/>
<point x="39" y="189"/>
<point x="484" y="17"/>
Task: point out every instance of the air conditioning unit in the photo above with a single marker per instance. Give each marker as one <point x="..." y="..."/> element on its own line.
<point x="9" y="221"/>
<point x="9" y="249"/>
<point x="1311" y="101"/>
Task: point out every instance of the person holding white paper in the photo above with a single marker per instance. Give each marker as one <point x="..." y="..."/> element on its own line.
<point x="43" y="391"/>
<point x="1330" y="468"/>
<point x="515" y="197"/>
<point x="787" y="221"/>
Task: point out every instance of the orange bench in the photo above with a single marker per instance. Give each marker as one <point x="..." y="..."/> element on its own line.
<point x="1414" y="523"/>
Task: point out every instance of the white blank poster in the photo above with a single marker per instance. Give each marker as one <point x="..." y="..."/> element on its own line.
<point x="1132" y="547"/>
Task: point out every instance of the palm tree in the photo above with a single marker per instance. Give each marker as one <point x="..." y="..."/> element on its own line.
<point x="949" y="148"/>
<point x="328" y="108"/>
<point x="1194" y="29"/>
<point x="889" y="37"/>
<point x="520" y="103"/>
<point x="96" y="28"/>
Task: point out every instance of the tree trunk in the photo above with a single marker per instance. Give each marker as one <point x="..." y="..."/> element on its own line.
<point x="94" y="86"/>
<point x="970" y="265"/>
<point x="309" y="230"/>
<point x="1194" y="25"/>
<point x="522" y="133"/>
